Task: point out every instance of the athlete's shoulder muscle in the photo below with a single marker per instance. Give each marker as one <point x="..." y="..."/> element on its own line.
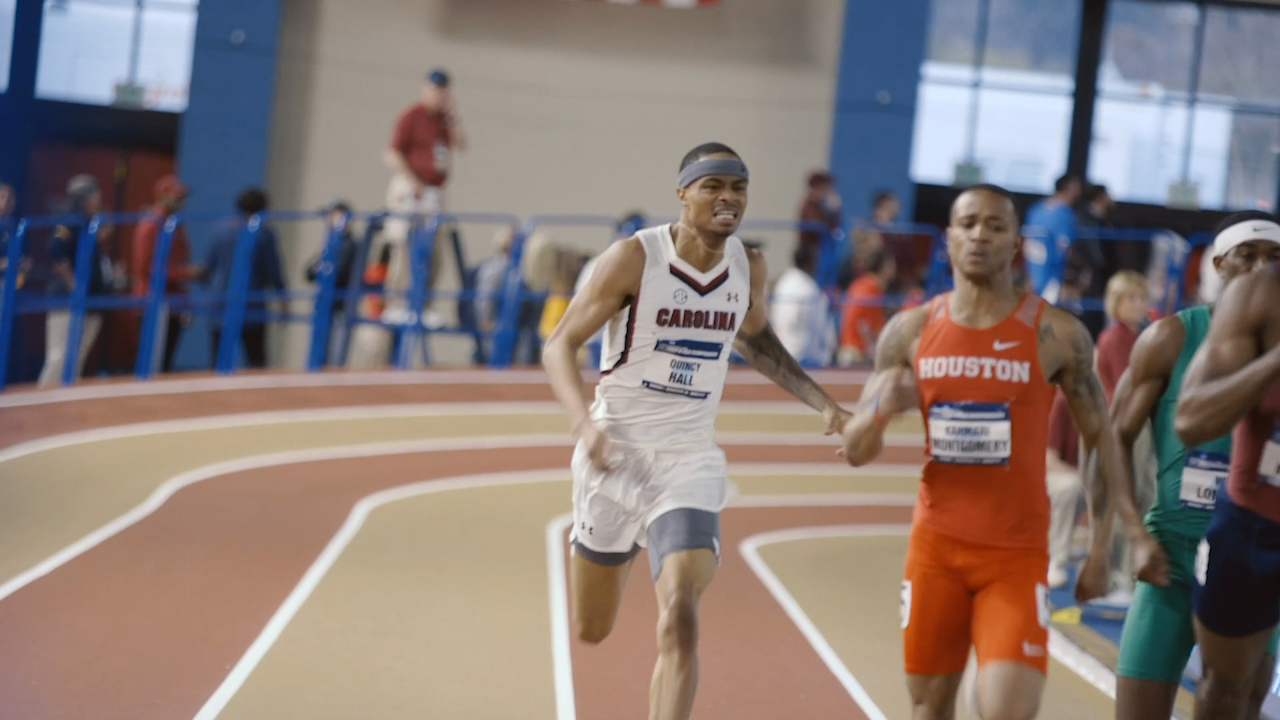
<point x="614" y="282"/>
<point x="1063" y="341"/>
<point x="1066" y="358"/>
<point x="757" y="311"/>
<point x="1156" y="351"/>
<point x="896" y="347"/>
<point x="1147" y="377"/>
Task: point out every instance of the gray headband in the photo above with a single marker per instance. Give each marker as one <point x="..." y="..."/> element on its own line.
<point x="712" y="166"/>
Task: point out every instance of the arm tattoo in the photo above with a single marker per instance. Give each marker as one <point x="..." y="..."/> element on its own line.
<point x="765" y="353"/>
<point x="1089" y="406"/>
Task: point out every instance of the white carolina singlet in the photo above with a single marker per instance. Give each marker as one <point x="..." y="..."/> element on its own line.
<point x="666" y="353"/>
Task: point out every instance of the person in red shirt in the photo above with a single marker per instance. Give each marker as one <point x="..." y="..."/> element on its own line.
<point x="170" y="197"/>
<point x="864" y="314"/>
<point x="981" y="363"/>
<point x="420" y="157"/>
<point x="821" y="207"/>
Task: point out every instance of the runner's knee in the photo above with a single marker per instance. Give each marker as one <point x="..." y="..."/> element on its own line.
<point x="592" y="629"/>
<point x="1222" y="696"/>
<point x="678" y="624"/>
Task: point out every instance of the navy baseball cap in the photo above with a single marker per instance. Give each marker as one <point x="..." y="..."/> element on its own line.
<point x="438" y="77"/>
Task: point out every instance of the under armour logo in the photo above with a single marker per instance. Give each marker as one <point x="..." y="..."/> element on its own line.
<point x="733" y="297"/>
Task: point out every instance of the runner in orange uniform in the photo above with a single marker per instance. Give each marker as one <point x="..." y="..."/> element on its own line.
<point x="981" y="362"/>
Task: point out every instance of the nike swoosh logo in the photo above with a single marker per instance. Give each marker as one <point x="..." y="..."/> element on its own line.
<point x="1261" y="228"/>
<point x="1002" y="346"/>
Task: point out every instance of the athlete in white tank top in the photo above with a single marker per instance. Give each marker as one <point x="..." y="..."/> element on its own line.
<point x="666" y="355"/>
<point x="675" y="301"/>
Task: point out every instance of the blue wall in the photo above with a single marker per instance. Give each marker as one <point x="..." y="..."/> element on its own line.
<point x="884" y="44"/>
<point x="222" y="146"/>
<point x="226" y="130"/>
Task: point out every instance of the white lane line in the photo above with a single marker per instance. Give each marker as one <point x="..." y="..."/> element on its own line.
<point x="1088" y="667"/>
<point x="561" y="653"/>
<point x="1067" y="653"/>
<point x="286" y="612"/>
<point x="270" y="381"/>
<point x="167" y="489"/>
<point x="373" y="412"/>
<point x="557" y="578"/>
<point x="750" y="549"/>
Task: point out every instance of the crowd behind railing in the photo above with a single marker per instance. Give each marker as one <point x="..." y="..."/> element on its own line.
<point x="828" y="308"/>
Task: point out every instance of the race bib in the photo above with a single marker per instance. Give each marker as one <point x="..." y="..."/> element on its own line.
<point x="440" y="156"/>
<point x="1200" y="477"/>
<point x="683" y="367"/>
<point x="1269" y="465"/>
<point x="970" y="433"/>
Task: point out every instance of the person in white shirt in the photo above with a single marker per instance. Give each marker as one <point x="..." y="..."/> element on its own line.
<point x="800" y="312"/>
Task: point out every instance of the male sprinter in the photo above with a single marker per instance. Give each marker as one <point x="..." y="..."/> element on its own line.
<point x="674" y="300"/>
<point x="981" y="361"/>
<point x="1158" y="630"/>
<point x="1234" y="380"/>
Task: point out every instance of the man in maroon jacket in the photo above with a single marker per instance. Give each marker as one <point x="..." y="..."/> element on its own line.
<point x="419" y="155"/>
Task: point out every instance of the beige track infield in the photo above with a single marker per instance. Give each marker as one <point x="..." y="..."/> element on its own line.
<point x="439" y="606"/>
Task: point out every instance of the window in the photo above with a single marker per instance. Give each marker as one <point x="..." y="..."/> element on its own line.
<point x="125" y="53"/>
<point x="995" y="94"/>
<point x="1185" y="100"/>
<point x="7" y="10"/>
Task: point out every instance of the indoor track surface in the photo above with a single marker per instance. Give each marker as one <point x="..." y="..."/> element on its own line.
<point x="392" y="545"/>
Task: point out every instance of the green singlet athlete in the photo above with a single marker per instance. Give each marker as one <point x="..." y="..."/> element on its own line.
<point x="1158" y="631"/>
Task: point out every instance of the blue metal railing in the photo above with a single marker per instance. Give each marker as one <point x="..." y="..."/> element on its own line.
<point x="238" y="305"/>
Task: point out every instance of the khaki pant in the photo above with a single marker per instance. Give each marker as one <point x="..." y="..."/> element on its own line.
<point x="370" y="346"/>
<point x="57" y="327"/>
<point x="1065" y="490"/>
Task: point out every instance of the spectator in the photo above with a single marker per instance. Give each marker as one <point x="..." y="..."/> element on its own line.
<point x="1127" y="303"/>
<point x="864" y="313"/>
<point x="7" y="203"/>
<point x="1088" y="251"/>
<point x="1062" y="480"/>
<point x="1075" y="278"/>
<point x="798" y="311"/>
<point x="84" y="199"/>
<point x="491" y="279"/>
<point x="170" y="197"/>
<point x="264" y="275"/>
<point x="821" y="206"/>
<point x="419" y="155"/>
<point x="1054" y="230"/>
<point x="342" y="273"/>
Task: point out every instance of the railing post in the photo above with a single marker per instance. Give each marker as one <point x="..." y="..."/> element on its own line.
<point x="144" y="365"/>
<point x="8" y="295"/>
<point x="237" y="295"/>
<point x="79" y="296"/>
<point x="355" y="284"/>
<point x="507" y="327"/>
<point x="412" y="338"/>
<point x="326" y="281"/>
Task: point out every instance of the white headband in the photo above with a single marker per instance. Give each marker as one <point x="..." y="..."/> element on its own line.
<point x="1243" y="232"/>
